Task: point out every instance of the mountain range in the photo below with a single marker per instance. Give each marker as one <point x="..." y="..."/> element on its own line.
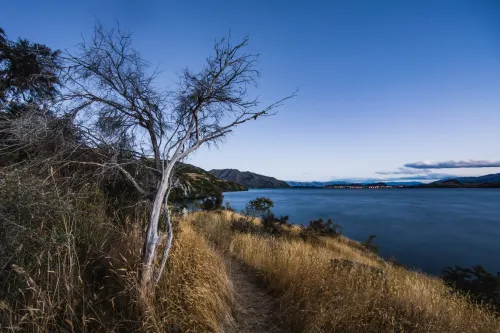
<point x="248" y="179"/>
<point x="254" y="180"/>
<point x="493" y="178"/>
<point x="333" y="182"/>
<point x="487" y="179"/>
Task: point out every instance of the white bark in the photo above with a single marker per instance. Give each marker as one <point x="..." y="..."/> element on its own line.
<point x="168" y="245"/>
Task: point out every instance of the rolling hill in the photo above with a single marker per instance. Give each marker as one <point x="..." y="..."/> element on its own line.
<point x="248" y="179"/>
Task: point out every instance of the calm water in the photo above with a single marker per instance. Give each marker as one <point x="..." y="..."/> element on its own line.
<point x="423" y="228"/>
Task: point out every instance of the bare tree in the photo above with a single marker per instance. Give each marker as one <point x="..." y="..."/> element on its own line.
<point x="114" y="91"/>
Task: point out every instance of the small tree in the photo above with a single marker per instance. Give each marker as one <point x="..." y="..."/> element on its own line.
<point x="369" y="245"/>
<point x="126" y="115"/>
<point x="28" y="73"/>
<point x="481" y="285"/>
<point x="259" y="207"/>
<point x="30" y="131"/>
<point x="324" y="228"/>
<point x="213" y="203"/>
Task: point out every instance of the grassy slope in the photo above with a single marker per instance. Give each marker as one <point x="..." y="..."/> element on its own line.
<point x="69" y="262"/>
<point x="315" y="296"/>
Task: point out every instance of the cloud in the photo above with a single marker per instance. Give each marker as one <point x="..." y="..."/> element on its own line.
<point x="403" y="171"/>
<point x="453" y="164"/>
<point x="429" y="176"/>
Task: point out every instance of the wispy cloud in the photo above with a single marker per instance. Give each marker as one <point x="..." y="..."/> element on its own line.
<point x="403" y="171"/>
<point x="430" y="176"/>
<point x="410" y="174"/>
<point x="453" y="164"/>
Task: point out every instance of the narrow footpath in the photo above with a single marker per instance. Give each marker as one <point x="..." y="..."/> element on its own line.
<point x="256" y="308"/>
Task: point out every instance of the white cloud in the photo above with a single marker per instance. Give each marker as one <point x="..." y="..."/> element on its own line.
<point x="453" y="164"/>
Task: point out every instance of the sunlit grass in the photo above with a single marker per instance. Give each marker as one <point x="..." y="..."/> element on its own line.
<point x="316" y="296"/>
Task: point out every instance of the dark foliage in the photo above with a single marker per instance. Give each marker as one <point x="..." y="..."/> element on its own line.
<point x="259" y="207"/>
<point x="272" y="224"/>
<point x="28" y="72"/>
<point x="228" y="207"/>
<point x="213" y="203"/>
<point x="369" y="245"/>
<point x="481" y="285"/>
<point x="245" y="225"/>
<point x="324" y="228"/>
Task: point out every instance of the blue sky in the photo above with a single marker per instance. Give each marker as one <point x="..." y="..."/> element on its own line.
<point x="383" y="84"/>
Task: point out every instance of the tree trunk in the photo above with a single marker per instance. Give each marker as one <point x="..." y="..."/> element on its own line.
<point x="168" y="245"/>
<point x="151" y="242"/>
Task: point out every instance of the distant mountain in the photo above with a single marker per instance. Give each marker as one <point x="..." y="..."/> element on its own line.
<point x="313" y="184"/>
<point x="248" y="179"/>
<point x="445" y="183"/>
<point x="493" y="178"/>
<point x="323" y="184"/>
<point x="404" y="183"/>
<point x="195" y="182"/>
<point x="488" y="181"/>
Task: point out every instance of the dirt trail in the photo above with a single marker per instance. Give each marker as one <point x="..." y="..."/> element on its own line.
<point x="256" y="308"/>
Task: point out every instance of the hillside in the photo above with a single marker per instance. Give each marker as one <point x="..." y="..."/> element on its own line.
<point x="195" y="182"/>
<point x="249" y="179"/>
<point x="487" y="181"/>
<point x="492" y="178"/>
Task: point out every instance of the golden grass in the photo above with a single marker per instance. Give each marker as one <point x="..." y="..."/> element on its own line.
<point x="195" y="293"/>
<point x="75" y="269"/>
<point x="315" y="296"/>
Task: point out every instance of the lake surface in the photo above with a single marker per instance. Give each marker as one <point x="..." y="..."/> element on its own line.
<point x="426" y="229"/>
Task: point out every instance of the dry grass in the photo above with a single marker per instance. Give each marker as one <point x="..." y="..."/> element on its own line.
<point x="67" y="265"/>
<point x="195" y="294"/>
<point x="315" y="296"/>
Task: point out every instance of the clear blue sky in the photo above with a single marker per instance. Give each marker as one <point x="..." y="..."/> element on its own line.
<point x="382" y="83"/>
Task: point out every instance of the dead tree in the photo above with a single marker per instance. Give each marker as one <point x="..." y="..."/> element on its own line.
<point x="120" y="107"/>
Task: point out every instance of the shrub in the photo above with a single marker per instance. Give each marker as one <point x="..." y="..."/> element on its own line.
<point x="324" y="228"/>
<point x="213" y="203"/>
<point x="481" y="285"/>
<point x="369" y="245"/>
<point x="259" y="207"/>
<point x="228" y="207"/>
<point x="273" y="225"/>
<point x="245" y="225"/>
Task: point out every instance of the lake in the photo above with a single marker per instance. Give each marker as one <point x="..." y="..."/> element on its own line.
<point x="425" y="229"/>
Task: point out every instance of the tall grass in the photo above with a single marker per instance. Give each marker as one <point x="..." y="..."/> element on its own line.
<point x="318" y="296"/>
<point x="69" y="263"/>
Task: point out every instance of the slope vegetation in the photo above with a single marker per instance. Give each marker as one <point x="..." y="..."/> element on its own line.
<point x="326" y="284"/>
<point x="195" y="182"/>
<point x="249" y="179"/>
